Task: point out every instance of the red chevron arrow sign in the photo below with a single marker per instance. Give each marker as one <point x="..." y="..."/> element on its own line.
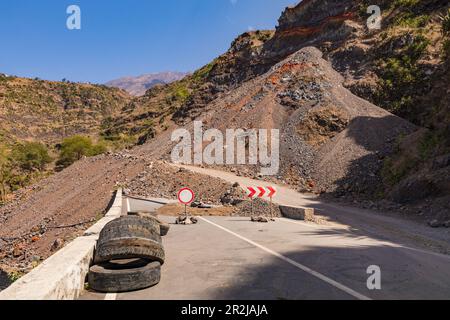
<point x="251" y="192"/>
<point x="260" y="192"/>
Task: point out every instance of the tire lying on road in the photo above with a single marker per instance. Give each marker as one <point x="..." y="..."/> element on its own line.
<point x="124" y="275"/>
<point x="135" y="220"/>
<point x="130" y="237"/>
<point x="163" y="226"/>
<point x="164" y="229"/>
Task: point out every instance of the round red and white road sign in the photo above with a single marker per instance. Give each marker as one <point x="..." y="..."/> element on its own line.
<point x="186" y="196"/>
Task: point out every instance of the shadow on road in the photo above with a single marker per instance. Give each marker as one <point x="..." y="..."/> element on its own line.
<point x="404" y="275"/>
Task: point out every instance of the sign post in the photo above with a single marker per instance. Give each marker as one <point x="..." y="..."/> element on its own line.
<point x="251" y="193"/>
<point x="263" y="191"/>
<point x="186" y="196"/>
<point x="272" y="191"/>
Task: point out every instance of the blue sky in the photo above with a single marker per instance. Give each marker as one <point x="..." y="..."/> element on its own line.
<point x="123" y="37"/>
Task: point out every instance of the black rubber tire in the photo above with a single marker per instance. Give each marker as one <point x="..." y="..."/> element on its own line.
<point x="124" y="276"/>
<point x="129" y="238"/>
<point x="163" y="227"/>
<point x="130" y="227"/>
<point x="135" y="221"/>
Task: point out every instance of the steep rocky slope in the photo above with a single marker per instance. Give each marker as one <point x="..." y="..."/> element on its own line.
<point x="137" y="86"/>
<point x="403" y="67"/>
<point x="329" y="137"/>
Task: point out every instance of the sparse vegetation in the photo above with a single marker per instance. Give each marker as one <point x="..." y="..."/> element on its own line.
<point x="20" y="165"/>
<point x="404" y="3"/>
<point x="400" y="75"/>
<point x="31" y="156"/>
<point x="446" y="23"/>
<point x="411" y="21"/>
<point x="393" y="173"/>
<point x="446" y="49"/>
<point x="14" y="276"/>
<point x="76" y="147"/>
<point x="428" y="144"/>
<point x="396" y="167"/>
<point x="5" y="172"/>
<point x="203" y="73"/>
<point x="180" y="93"/>
<point x="263" y="35"/>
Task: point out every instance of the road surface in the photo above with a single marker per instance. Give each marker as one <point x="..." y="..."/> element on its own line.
<point x="385" y="226"/>
<point x="234" y="258"/>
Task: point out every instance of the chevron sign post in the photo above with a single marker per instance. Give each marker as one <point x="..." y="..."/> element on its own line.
<point x="261" y="192"/>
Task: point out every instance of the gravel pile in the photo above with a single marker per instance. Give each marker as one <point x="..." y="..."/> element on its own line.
<point x="260" y="208"/>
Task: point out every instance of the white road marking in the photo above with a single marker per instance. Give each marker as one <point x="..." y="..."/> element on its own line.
<point x="111" y="296"/>
<point x="294" y="263"/>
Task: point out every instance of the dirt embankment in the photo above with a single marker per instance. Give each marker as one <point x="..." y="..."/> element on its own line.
<point x="46" y="216"/>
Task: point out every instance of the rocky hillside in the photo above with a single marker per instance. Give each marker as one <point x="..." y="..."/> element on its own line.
<point x="320" y="121"/>
<point x="137" y="86"/>
<point x="50" y="111"/>
<point x="403" y="68"/>
<point x="364" y="117"/>
<point x="385" y="67"/>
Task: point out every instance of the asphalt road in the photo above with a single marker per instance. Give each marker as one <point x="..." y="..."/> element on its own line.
<point x="379" y="225"/>
<point x="233" y="258"/>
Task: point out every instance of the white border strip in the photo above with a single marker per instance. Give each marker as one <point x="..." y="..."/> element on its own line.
<point x="111" y="296"/>
<point x="316" y="274"/>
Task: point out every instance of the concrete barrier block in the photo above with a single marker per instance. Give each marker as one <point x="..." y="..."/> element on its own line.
<point x="296" y="213"/>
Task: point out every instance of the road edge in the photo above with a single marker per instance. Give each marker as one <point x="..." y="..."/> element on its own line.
<point x="62" y="276"/>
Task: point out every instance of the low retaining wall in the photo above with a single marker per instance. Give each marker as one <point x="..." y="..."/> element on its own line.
<point x="297" y="213"/>
<point x="62" y="276"/>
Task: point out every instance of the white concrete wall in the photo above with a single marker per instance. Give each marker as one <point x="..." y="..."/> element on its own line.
<point x="62" y="276"/>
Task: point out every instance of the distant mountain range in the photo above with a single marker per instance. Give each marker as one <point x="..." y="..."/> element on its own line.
<point x="137" y="86"/>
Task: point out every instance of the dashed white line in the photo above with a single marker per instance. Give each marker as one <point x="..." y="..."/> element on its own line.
<point x="294" y="263"/>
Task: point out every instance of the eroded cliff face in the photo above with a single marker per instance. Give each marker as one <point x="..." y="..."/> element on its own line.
<point x="310" y="23"/>
<point x="314" y="21"/>
<point x="401" y="67"/>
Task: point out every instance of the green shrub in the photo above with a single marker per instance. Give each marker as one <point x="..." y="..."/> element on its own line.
<point x="399" y="77"/>
<point x="204" y="72"/>
<point x="411" y="21"/>
<point x="181" y="94"/>
<point x="428" y="144"/>
<point x="392" y="173"/>
<point x="404" y="3"/>
<point x="446" y="49"/>
<point x="5" y="172"/>
<point x="76" y="147"/>
<point x="446" y="23"/>
<point x="31" y="156"/>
